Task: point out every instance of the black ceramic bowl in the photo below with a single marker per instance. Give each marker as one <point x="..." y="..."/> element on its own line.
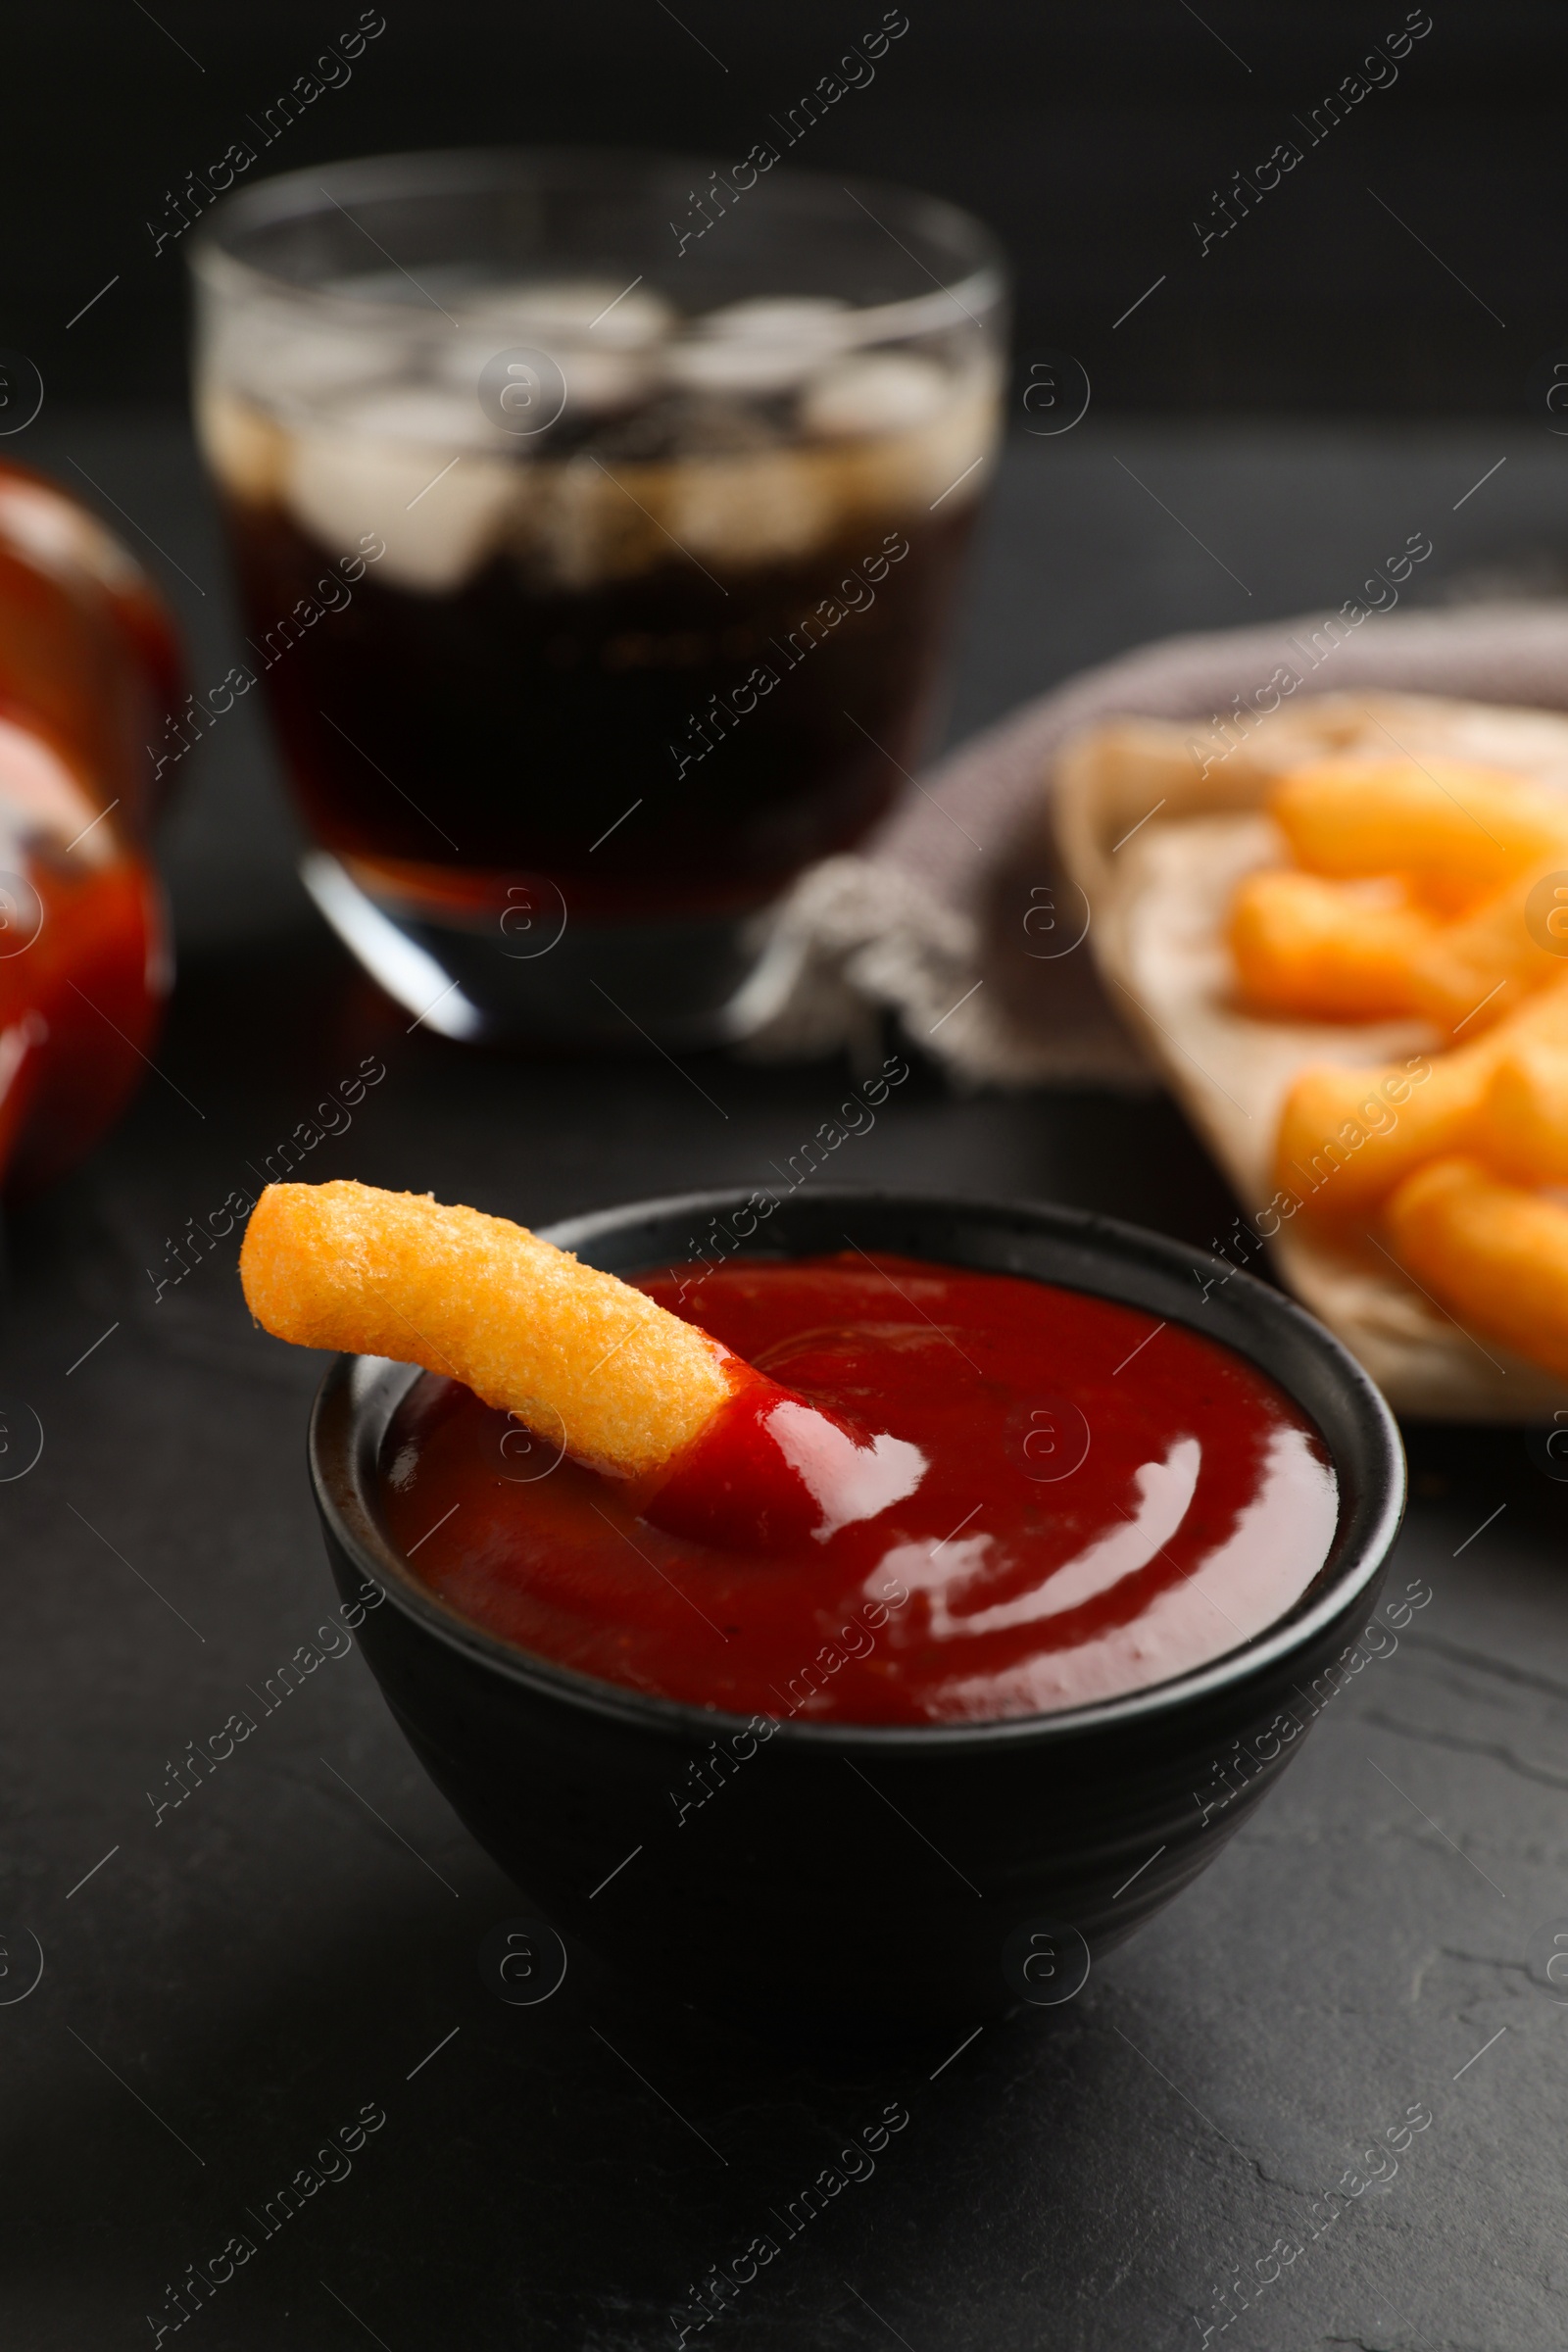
<point x="848" y="1878"/>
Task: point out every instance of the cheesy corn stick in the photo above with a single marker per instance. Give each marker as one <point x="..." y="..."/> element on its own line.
<point x="1326" y="951"/>
<point x="1459" y="830"/>
<point x="1349" y="1136"/>
<point x="1494" y="1255"/>
<point x="1470" y="973"/>
<point x="1522" y="1132"/>
<point x="1354" y="1135"/>
<point x="522" y="1324"/>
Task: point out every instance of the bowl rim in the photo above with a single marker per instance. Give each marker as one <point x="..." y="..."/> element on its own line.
<point x="353" y="1385"/>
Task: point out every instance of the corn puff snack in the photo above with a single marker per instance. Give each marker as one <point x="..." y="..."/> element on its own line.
<point x="1354" y="1135"/>
<point x="1468" y="975"/>
<point x="1459" y="831"/>
<point x="1522" y="1131"/>
<point x="1410" y="895"/>
<point x="1494" y="1255"/>
<point x="1315" y="949"/>
<point x="522" y="1324"/>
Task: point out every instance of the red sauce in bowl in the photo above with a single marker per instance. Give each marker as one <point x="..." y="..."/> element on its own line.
<point x="1109" y="1501"/>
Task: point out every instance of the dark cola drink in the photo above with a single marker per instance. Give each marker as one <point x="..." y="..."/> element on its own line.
<point x="587" y="617"/>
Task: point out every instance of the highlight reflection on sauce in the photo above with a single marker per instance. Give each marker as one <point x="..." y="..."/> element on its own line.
<point x="1027" y="1570"/>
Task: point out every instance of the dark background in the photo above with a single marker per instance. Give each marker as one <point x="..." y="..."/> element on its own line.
<point x="223" y="1987"/>
<point x="1089" y="136"/>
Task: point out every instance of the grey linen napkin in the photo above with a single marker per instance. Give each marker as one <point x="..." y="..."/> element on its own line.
<point x="956" y="915"/>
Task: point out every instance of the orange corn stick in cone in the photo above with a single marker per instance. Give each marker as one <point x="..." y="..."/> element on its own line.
<point x="526" y="1326"/>
<point x="1522" y="1131"/>
<point x="1496" y="1254"/>
<point x="1356" y="1134"/>
<point x="1460" y="829"/>
<point x="1325" y="949"/>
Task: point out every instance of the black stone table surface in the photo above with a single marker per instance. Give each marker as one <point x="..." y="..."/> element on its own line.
<point x="289" y="1958"/>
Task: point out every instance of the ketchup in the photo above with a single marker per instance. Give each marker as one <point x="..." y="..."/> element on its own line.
<point x="1104" y="1501"/>
<point x="772" y="1468"/>
<point x="88" y="670"/>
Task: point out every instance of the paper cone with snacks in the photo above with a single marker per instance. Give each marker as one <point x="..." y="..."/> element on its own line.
<point x="1344" y="939"/>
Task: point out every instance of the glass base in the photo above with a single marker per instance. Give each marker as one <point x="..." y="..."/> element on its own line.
<point x="703" y="981"/>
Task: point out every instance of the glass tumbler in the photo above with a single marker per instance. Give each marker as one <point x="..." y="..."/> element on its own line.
<point x="597" y="521"/>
